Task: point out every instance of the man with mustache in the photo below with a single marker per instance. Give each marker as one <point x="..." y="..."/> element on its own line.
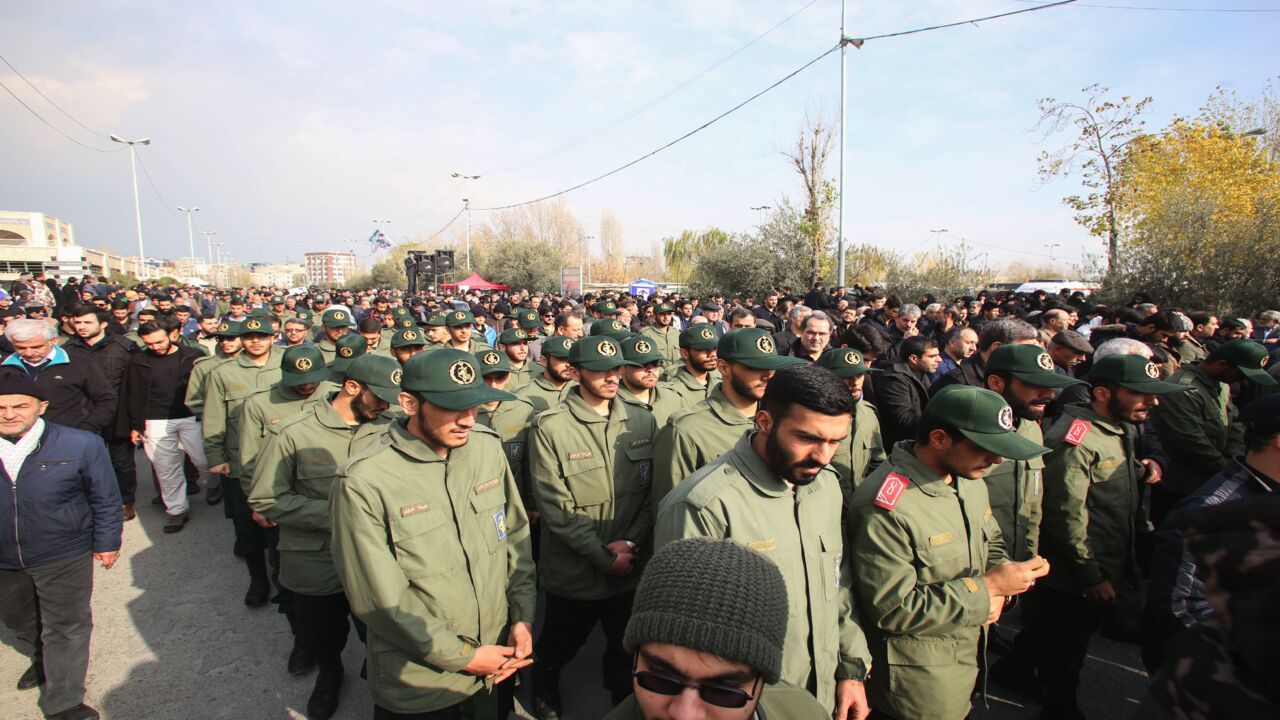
<point x="776" y="493"/>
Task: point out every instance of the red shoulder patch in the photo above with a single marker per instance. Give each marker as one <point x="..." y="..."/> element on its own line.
<point x="1078" y="430"/>
<point x="891" y="491"/>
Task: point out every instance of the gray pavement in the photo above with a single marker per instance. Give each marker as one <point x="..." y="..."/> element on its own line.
<point x="173" y="639"/>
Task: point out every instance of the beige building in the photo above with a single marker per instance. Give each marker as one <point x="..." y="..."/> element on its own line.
<point x="31" y="241"/>
<point x="285" y="275"/>
<point x="330" y="267"/>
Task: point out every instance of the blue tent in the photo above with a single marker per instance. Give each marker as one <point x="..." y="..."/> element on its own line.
<point x="643" y="288"/>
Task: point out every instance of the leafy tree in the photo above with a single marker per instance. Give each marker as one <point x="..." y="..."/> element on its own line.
<point x="527" y="264"/>
<point x="682" y="252"/>
<point x="776" y="255"/>
<point x="809" y="158"/>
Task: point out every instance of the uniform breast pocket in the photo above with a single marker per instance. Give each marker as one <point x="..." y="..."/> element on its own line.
<point x="587" y="482"/>
<point x="641" y="461"/>
<point x="424" y="540"/>
<point x="490" y="515"/>
<point x="314" y="477"/>
<point x="941" y="557"/>
<point x="1107" y="469"/>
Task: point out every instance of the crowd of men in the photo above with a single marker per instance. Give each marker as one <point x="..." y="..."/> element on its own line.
<point x="883" y="483"/>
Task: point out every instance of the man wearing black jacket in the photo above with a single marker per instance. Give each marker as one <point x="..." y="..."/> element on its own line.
<point x="902" y="393"/>
<point x="78" y="393"/>
<point x="111" y="354"/>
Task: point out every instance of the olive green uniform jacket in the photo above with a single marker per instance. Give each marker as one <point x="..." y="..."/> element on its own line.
<point x="542" y="394"/>
<point x="511" y="421"/>
<point x="1091" y="502"/>
<point x="292" y="483"/>
<point x="263" y="411"/>
<point x="199" y="382"/>
<point x="860" y="452"/>
<point x="229" y="386"/>
<point x="777" y="702"/>
<point x="692" y="390"/>
<point x="1197" y="429"/>
<point x="667" y="343"/>
<point x="435" y="559"/>
<point x="918" y="580"/>
<point x="663" y="401"/>
<point x="693" y="437"/>
<point x="523" y="375"/>
<point x="739" y="498"/>
<point x="474" y="345"/>
<point x="591" y="476"/>
<point x="327" y="349"/>
<point x="1016" y="488"/>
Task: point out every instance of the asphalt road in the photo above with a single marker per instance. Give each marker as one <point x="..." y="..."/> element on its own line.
<point x="173" y="640"/>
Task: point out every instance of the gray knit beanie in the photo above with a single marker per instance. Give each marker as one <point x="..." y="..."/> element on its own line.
<point x="713" y="596"/>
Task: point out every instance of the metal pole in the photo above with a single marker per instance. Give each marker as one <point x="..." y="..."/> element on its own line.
<point x="840" y="227"/>
<point x="137" y="208"/>
<point x="191" y="239"/>
<point x="466" y="204"/>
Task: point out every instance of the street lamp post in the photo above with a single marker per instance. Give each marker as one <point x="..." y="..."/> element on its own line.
<point x="208" y="238"/>
<point x="466" y="207"/>
<point x="588" y="258"/>
<point x="191" y="238"/>
<point x="137" y="207"/>
<point x="1051" y="246"/>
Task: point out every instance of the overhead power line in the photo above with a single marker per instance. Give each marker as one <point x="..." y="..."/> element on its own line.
<point x="53" y="127"/>
<point x="1172" y="9"/>
<point x="49" y="100"/>
<point x="152" y="183"/>
<point x="856" y="41"/>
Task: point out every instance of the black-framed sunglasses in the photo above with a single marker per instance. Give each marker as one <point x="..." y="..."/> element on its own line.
<point x="710" y="693"/>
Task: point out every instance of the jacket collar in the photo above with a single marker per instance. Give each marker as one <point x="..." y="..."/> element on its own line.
<point x="273" y="359"/>
<point x="1085" y="412"/>
<point x="922" y="476"/>
<point x="743" y="457"/>
<point x="584" y="413"/>
<point x="725" y="410"/>
<point x="405" y="442"/>
<point x="57" y="357"/>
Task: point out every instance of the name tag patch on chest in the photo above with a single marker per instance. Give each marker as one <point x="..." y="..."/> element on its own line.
<point x="487" y="485"/>
<point x="408" y="510"/>
<point x="891" y="491"/>
<point x="762" y="545"/>
<point x="581" y="455"/>
<point x="500" y="524"/>
<point x="942" y="539"/>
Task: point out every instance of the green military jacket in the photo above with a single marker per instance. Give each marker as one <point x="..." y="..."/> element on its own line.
<point x="1091" y="500"/>
<point x="511" y="421"/>
<point x="434" y="556"/>
<point x="692" y="390"/>
<point x="738" y="497"/>
<point x="1197" y="430"/>
<point x="328" y="349"/>
<point x="292" y="484"/>
<point x="1015" y="488"/>
<point x="693" y="437"/>
<point x="474" y="345"/>
<point x="523" y="375"/>
<point x="668" y="344"/>
<point x="542" y="394"/>
<point x="198" y="384"/>
<point x="591" y="477"/>
<point x="263" y="411"/>
<point x="777" y="702"/>
<point x="664" y="400"/>
<point x="921" y="547"/>
<point x="860" y="452"/>
<point x="229" y="386"/>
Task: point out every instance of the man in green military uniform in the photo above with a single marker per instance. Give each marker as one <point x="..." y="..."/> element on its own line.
<point x="862" y="450"/>
<point x="530" y="323"/>
<point x="406" y="343"/>
<point x="302" y="375"/>
<point x="609" y="327"/>
<point x="372" y="331"/>
<point x="550" y="387"/>
<point x="437" y="329"/>
<point x="1198" y="428"/>
<point x="290" y="489"/>
<point x="640" y="383"/>
<point x="431" y="544"/>
<point x="1091" y="507"/>
<point x="336" y="324"/>
<point x="591" y="460"/>
<point x="230" y="384"/>
<point x="775" y="492"/>
<point x="665" y="338"/>
<point x="461" y="333"/>
<point x="228" y="346"/>
<point x="932" y="570"/>
<point x="694" y="436"/>
<point x="698" y="375"/>
<point x="514" y="343"/>
<point x="510" y="419"/>
<point x="1024" y="376"/>
<point x="346" y="350"/>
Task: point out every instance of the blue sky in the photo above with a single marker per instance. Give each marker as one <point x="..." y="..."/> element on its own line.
<point x="294" y="124"/>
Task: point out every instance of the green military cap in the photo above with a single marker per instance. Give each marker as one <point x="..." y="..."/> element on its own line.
<point x="406" y="322"/>
<point x="379" y="373"/>
<point x="664" y="307"/>
<point x="437" y="319"/>
<point x="319" y="297"/>
<point x="1030" y="364"/>
<point x="449" y="379"/>
<point x="399" y="311"/>
<point x="335" y="317"/>
<point x="350" y="347"/>
<point x="640" y="350"/>
<point x="609" y="328"/>
<point x="304" y="315"/>
<point x="1249" y="357"/>
<point x="597" y="353"/>
<point x="557" y="346"/>
<point x="230" y="328"/>
<point x="259" y="312"/>
<point x="1132" y="372"/>
<point x="458" y="318"/>
<point x="408" y="337"/>
<point x="276" y="300"/>
<point x="754" y="348"/>
<point x="984" y="418"/>
<point x="256" y="325"/>
<point x="302" y="365"/>
<point x="510" y="336"/>
<point x="699" y="337"/>
<point x="492" y="361"/>
<point x="528" y="319"/>
<point x="844" y="362"/>
<point x="606" y="307"/>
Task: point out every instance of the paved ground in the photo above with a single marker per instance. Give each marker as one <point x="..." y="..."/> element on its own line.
<point x="172" y="639"/>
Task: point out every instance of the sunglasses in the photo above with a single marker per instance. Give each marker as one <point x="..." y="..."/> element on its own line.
<point x="710" y="693"/>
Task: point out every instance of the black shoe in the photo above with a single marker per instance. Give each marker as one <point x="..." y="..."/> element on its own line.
<point x="79" y="712"/>
<point x="544" y="710"/>
<point x="323" y="702"/>
<point x="259" y="583"/>
<point x="193" y="488"/>
<point x="300" y="661"/>
<point x="156" y="500"/>
<point x="33" y="677"/>
<point x="1017" y="676"/>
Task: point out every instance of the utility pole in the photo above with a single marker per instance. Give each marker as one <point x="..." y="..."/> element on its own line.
<point x="466" y="207"/>
<point x="137" y="207"/>
<point x="845" y="42"/>
<point x="586" y="237"/>
<point x="1051" y="246"/>
<point x="191" y="242"/>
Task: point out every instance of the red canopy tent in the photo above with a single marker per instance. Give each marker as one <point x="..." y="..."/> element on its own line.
<point x="475" y="282"/>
